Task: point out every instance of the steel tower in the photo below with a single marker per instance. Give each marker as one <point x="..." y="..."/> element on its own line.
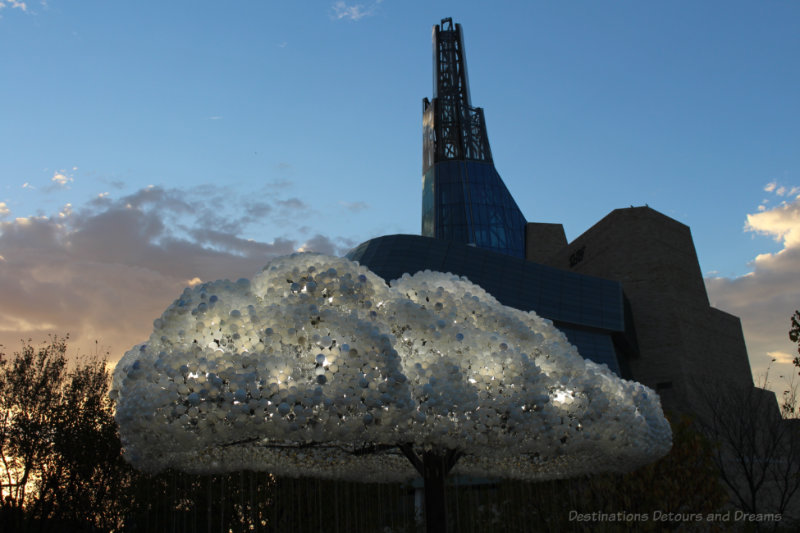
<point x="464" y="199"/>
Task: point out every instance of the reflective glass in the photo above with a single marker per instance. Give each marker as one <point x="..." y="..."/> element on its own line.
<point x="428" y="204"/>
<point x="588" y="309"/>
<point x="595" y="346"/>
<point x="467" y="202"/>
<point x="553" y="293"/>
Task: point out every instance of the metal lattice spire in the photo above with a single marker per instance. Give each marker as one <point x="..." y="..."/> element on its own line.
<point x="458" y="130"/>
<point x="463" y="197"/>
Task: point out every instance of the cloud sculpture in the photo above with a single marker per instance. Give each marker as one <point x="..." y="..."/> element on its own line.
<point x="318" y="367"/>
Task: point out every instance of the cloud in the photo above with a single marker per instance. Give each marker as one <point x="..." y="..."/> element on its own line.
<point x="60" y="179"/>
<point x="22" y="6"/>
<point x="320" y="244"/>
<point x="781" y="357"/>
<point x="341" y="10"/>
<point x="256" y="209"/>
<point x="4" y="210"/>
<point x="293" y="203"/>
<point x="102" y="270"/>
<point x="781" y="222"/>
<point x="766" y="297"/>
<point x="355" y="207"/>
<point x="780" y="190"/>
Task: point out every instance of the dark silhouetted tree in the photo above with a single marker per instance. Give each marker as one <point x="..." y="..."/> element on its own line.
<point x="58" y="442"/>
<point x="758" y="449"/>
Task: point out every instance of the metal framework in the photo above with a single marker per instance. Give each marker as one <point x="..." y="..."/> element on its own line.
<point x="453" y="128"/>
<point x="463" y="197"/>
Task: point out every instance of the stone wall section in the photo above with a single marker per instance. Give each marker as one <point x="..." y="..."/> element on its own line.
<point x="682" y="339"/>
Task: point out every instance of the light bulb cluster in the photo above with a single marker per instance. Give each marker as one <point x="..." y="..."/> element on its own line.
<point x="318" y="367"/>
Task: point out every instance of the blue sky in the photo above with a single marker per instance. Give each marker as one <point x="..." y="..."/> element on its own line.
<point x="150" y="143"/>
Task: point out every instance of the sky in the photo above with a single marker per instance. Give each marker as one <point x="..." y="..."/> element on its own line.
<point x="146" y="146"/>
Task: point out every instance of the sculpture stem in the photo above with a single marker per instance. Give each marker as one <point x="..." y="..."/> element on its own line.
<point x="433" y="466"/>
<point x="434" y="474"/>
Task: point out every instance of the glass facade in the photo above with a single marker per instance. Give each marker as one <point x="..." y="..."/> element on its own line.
<point x="467" y="202"/>
<point x="589" y="310"/>
<point x="597" y="347"/>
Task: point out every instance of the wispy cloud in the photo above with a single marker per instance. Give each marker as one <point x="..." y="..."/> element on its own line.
<point x="14" y="4"/>
<point x="293" y="203"/>
<point x="343" y="10"/>
<point x="767" y="296"/>
<point x="781" y="190"/>
<point x="355" y="207"/>
<point x="4" y="210"/>
<point x="781" y="357"/>
<point x="60" y="179"/>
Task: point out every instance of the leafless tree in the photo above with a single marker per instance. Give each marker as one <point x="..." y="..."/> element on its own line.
<point x="757" y="444"/>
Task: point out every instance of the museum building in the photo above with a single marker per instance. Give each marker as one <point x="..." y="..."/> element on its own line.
<point x="628" y="292"/>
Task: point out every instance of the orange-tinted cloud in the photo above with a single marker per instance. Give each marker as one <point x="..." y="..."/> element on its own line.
<point x="766" y="297"/>
<point x="104" y="271"/>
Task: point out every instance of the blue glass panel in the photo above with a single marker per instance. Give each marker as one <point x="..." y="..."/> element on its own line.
<point x="467" y="202"/>
<point x="555" y="294"/>
<point x="589" y="310"/>
<point x="499" y="224"/>
<point x="595" y="346"/>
